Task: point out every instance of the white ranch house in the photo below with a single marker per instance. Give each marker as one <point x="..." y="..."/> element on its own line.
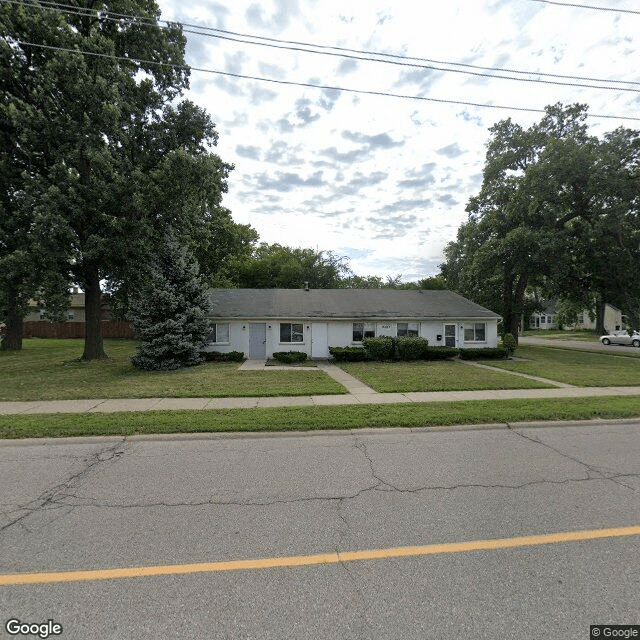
<point x="259" y="322"/>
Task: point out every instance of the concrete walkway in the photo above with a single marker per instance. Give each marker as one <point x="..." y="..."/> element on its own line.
<point x="168" y="404"/>
<point x="555" y="383"/>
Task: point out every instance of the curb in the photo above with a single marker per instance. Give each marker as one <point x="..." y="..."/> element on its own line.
<point x="172" y="437"/>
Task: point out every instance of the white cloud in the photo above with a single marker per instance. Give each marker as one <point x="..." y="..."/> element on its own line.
<point x="386" y="180"/>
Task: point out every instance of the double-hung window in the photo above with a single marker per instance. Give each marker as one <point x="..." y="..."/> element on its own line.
<point x="407" y="329"/>
<point x="362" y="330"/>
<point x="291" y="332"/>
<point x="475" y="332"/>
<point x="219" y="333"/>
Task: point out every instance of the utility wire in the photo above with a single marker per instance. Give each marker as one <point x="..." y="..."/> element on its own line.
<point x="309" y="84"/>
<point x="396" y="60"/>
<point x="587" y="6"/>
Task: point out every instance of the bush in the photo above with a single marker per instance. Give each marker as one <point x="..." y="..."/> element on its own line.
<point x="440" y="353"/>
<point x="348" y="354"/>
<point x="217" y="356"/>
<point x="411" y="347"/>
<point x="289" y="357"/>
<point x="486" y="353"/>
<point x="509" y="343"/>
<point x="382" y="348"/>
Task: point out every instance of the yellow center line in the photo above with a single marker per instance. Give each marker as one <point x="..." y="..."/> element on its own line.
<point x="321" y="558"/>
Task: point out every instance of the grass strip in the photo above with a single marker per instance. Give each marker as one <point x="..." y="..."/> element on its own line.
<point x="403" y="377"/>
<point x="580" y="368"/>
<point x="311" y="418"/>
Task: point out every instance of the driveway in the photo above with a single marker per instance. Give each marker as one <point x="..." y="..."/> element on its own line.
<point x="579" y="344"/>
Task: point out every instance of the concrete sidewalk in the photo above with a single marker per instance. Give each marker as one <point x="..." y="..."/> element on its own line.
<point x="170" y="404"/>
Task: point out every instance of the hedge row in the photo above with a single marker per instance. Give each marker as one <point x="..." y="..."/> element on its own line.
<point x="388" y="349"/>
<point x="348" y="354"/>
<point x="489" y="353"/>
<point x="288" y="357"/>
<point x="217" y="356"/>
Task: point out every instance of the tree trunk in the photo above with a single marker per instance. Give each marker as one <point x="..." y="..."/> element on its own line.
<point x="12" y="340"/>
<point x="600" y="316"/>
<point x="93" y="345"/>
<point x="518" y="305"/>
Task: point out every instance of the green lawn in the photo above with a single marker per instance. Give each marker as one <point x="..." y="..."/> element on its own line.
<point x="401" y="377"/>
<point x="585" y="335"/>
<point x="49" y="370"/>
<point x="310" y="418"/>
<point x="581" y="368"/>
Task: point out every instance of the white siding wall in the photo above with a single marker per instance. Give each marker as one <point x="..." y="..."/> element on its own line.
<point x="238" y="339"/>
<point x="340" y="334"/>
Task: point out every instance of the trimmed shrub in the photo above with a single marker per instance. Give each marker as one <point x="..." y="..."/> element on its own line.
<point x="217" y="356"/>
<point x="509" y="343"/>
<point x="382" y="348"/>
<point x="348" y="354"/>
<point x="486" y="353"/>
<point x="411" y="347"/>
<point x="440" y="353"/>
<point x="289" y="357"/>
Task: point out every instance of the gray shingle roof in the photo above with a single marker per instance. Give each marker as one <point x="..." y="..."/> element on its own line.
<point x="342" y="303"/>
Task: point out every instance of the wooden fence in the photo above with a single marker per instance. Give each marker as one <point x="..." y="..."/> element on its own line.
<point x="44" y="329"/>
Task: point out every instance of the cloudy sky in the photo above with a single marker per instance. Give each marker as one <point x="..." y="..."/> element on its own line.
<point x="385" y="180"/>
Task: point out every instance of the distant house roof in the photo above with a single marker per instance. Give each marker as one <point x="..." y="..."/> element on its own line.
<point x="343" y="303"/>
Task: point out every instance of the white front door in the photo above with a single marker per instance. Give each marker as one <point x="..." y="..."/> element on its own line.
<point x="319" y="340"/>
<point x="257" y="340"/>
<point x="449" y="335"/>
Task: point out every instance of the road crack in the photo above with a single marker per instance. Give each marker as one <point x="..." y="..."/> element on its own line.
<point x="53" y="499"/>
<point x="591" y="469"/>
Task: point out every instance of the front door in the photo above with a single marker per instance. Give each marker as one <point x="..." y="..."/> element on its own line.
<point x="319" y="340"/>
<point x="449" y="335"/>
<point x="257" y="340"/>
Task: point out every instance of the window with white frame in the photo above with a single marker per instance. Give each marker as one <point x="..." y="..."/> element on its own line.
<point x="407" y="329"/>
<point x="362" y="330"/>
<point x="291" y="332"/>
<point x="71" y="315"/>
<point x="218" y="333"/>
<point x="475" y="332"/>
<point x="543" y="320"/>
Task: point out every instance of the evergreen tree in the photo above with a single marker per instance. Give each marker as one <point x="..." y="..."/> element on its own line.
<point x="168" y="311"/>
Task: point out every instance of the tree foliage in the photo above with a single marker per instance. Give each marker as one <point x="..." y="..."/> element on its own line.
<point x="120" y="159"/>
<point x="168" y="311"/>
<point x="278" y="266"/>
<point x="557" y="209"/>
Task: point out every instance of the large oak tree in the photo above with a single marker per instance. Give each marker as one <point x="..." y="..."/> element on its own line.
<point x="558" y="210"/>
<point x="122" y="159"/>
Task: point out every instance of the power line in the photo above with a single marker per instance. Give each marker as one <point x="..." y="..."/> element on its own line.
<point x="309" y="84"/>
<point x="396" y="60"/>
<point x="587" y="6"/>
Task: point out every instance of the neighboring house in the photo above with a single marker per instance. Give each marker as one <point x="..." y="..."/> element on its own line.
<point x="547" y="319"/>
<point x="260" y="322"/>
<point x="613" y="320"/>
<point x="75" y="313"/>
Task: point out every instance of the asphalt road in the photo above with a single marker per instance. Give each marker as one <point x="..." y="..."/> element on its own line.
<point x="581" y="344"/>
<point x="120" y="503"/>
